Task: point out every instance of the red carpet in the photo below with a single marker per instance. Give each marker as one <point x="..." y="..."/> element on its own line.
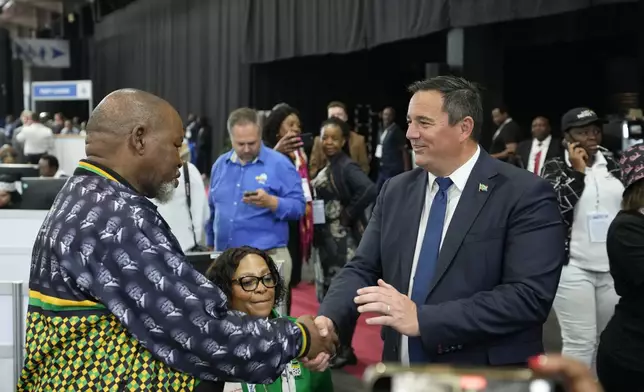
<point x="366" y="340"/>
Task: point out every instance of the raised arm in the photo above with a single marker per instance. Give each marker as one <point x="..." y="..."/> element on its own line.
<point x="290" y="201"/>
<point x="568" y="184"/>
<point x="141" y="276"/>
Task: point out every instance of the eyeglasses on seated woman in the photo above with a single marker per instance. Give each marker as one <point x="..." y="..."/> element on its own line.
<point x="250" y="279"/>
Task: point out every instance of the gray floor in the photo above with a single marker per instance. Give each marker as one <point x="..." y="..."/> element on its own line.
<point x="344" y="382"/>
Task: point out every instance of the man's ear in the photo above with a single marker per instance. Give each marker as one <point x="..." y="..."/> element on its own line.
<point x="137" y="139"/>
<point x="467" y="128"/>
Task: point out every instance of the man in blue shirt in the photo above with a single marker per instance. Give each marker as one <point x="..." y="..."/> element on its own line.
<point x="254" y="191"/>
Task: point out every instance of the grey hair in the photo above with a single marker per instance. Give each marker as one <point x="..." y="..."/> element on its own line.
<point x="461" y="98"/>
<point x="243" y="116"/>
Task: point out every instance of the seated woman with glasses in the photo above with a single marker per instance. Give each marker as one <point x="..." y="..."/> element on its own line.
<point x="588" y="184"/>
<point x="250" y="279"/>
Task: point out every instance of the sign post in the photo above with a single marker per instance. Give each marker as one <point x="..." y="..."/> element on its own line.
<point x="72" y="90"/>
<point x="33" y="52"/>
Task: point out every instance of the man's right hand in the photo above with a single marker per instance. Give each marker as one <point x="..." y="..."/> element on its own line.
<point x="289" y="143"/>
<point x="578" y="157"/>
<point x="324" y="342"/>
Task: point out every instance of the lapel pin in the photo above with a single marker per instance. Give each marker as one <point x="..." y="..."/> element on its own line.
<point x="482" y="188"/>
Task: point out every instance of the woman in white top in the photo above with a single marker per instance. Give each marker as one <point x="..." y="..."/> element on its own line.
<point x="589" y="188"/>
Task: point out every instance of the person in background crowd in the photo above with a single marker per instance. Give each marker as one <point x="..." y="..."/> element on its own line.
<point x="453" y="264"/>
<point x="49" y="167"/>
<point x="589" y="189"/>
<point x="249" y="277"/>
<point x="620" y="355"/>
<point x="532" y="154"/>
<point x="507" y="135"/>
<point x="345" y="191"/>
<point x="69" y="129"/>
<point x="10" y="198"/>
<point x="391" y="152"/>
<point x="254" y="192"/>
<point x="25" y="119"/>
<point x="282" y="131"/>
<point x="187" y="211"/>
<point x="37" y="138"/>
<point x="204" y="144"/>
<point x="191" y="131"/>
<point x="8" y="154"/>
<point x="4" y="140"/>
<point x="357" y="145"/>
<point x="58" y="124"/>
<point x="111" y="291"/>
<point x="9" y="126"/>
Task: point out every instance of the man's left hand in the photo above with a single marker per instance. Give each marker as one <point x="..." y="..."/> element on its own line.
<point x="396" y="310"/>
<point x="261" y="199"/>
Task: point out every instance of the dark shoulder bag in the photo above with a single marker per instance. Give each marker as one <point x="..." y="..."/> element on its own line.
<point x="186" y="178"/>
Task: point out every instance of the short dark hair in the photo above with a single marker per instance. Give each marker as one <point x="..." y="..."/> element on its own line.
<point x="344" y="128"/>
<point x="273" y="123"/>
<point x="633" y="198"/>
<point x="222" y="270"/>
<point x="336" y="104"/>
<point x="461" y="98"/>
<point x="503" y="108"/>
<point x="51" y="160"/>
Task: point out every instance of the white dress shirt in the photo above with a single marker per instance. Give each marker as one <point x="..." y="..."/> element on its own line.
<point x="536" y="147"/>
<point x="175" y="211"/>
<point x="602" y="194"/>
<point x="37" y="139"/>
<point x="459" y="179"/>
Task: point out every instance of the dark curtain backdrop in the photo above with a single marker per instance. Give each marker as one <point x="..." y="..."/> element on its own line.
<point x="377" y="77"/>
<point x="185" y="51"/>
<point x="282" y="29"/>
<point x="465" y="13"/>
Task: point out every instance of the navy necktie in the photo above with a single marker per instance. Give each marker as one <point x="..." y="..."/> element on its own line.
<point x="426" y="266"/>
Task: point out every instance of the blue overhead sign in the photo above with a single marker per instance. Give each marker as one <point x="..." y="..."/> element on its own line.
<point x="61" y="91"/>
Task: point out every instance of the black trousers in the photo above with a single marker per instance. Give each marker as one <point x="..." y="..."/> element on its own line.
<point x="33" y="158"/>
<point x="616" y="378"/>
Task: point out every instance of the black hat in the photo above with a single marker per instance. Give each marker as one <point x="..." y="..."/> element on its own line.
<point x="578" y="117"/>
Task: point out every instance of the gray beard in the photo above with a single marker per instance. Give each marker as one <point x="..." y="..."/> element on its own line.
<point x="165" y="193"/>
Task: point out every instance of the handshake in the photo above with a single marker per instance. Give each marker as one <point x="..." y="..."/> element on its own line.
<point x="324" y="342"/>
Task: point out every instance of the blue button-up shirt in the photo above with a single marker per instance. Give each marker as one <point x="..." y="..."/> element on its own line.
<point x="234" y="223"/>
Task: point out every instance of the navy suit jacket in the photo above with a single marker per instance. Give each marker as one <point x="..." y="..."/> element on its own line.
<point x="496" y="275"/>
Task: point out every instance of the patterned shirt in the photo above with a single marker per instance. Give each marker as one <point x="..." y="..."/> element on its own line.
<point x="113" y="304"/>
<point x="569" y="184"/>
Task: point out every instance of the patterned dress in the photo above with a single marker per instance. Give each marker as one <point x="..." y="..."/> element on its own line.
<point x="334" y="242"/>
<point x="114" y="306"/>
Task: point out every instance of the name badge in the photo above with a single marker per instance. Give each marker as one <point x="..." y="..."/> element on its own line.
<point x="318" y="212"/>
<point x="307" y="190"/>
<point x="378" y="152"/>
<point x="295" y="369"/>
<point x="598" y="224"/>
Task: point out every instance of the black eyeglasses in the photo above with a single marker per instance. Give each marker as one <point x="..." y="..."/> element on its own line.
<point x="250" y="283"/>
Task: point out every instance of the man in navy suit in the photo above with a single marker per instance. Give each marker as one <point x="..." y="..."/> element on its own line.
<point x="461" y="259"/>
